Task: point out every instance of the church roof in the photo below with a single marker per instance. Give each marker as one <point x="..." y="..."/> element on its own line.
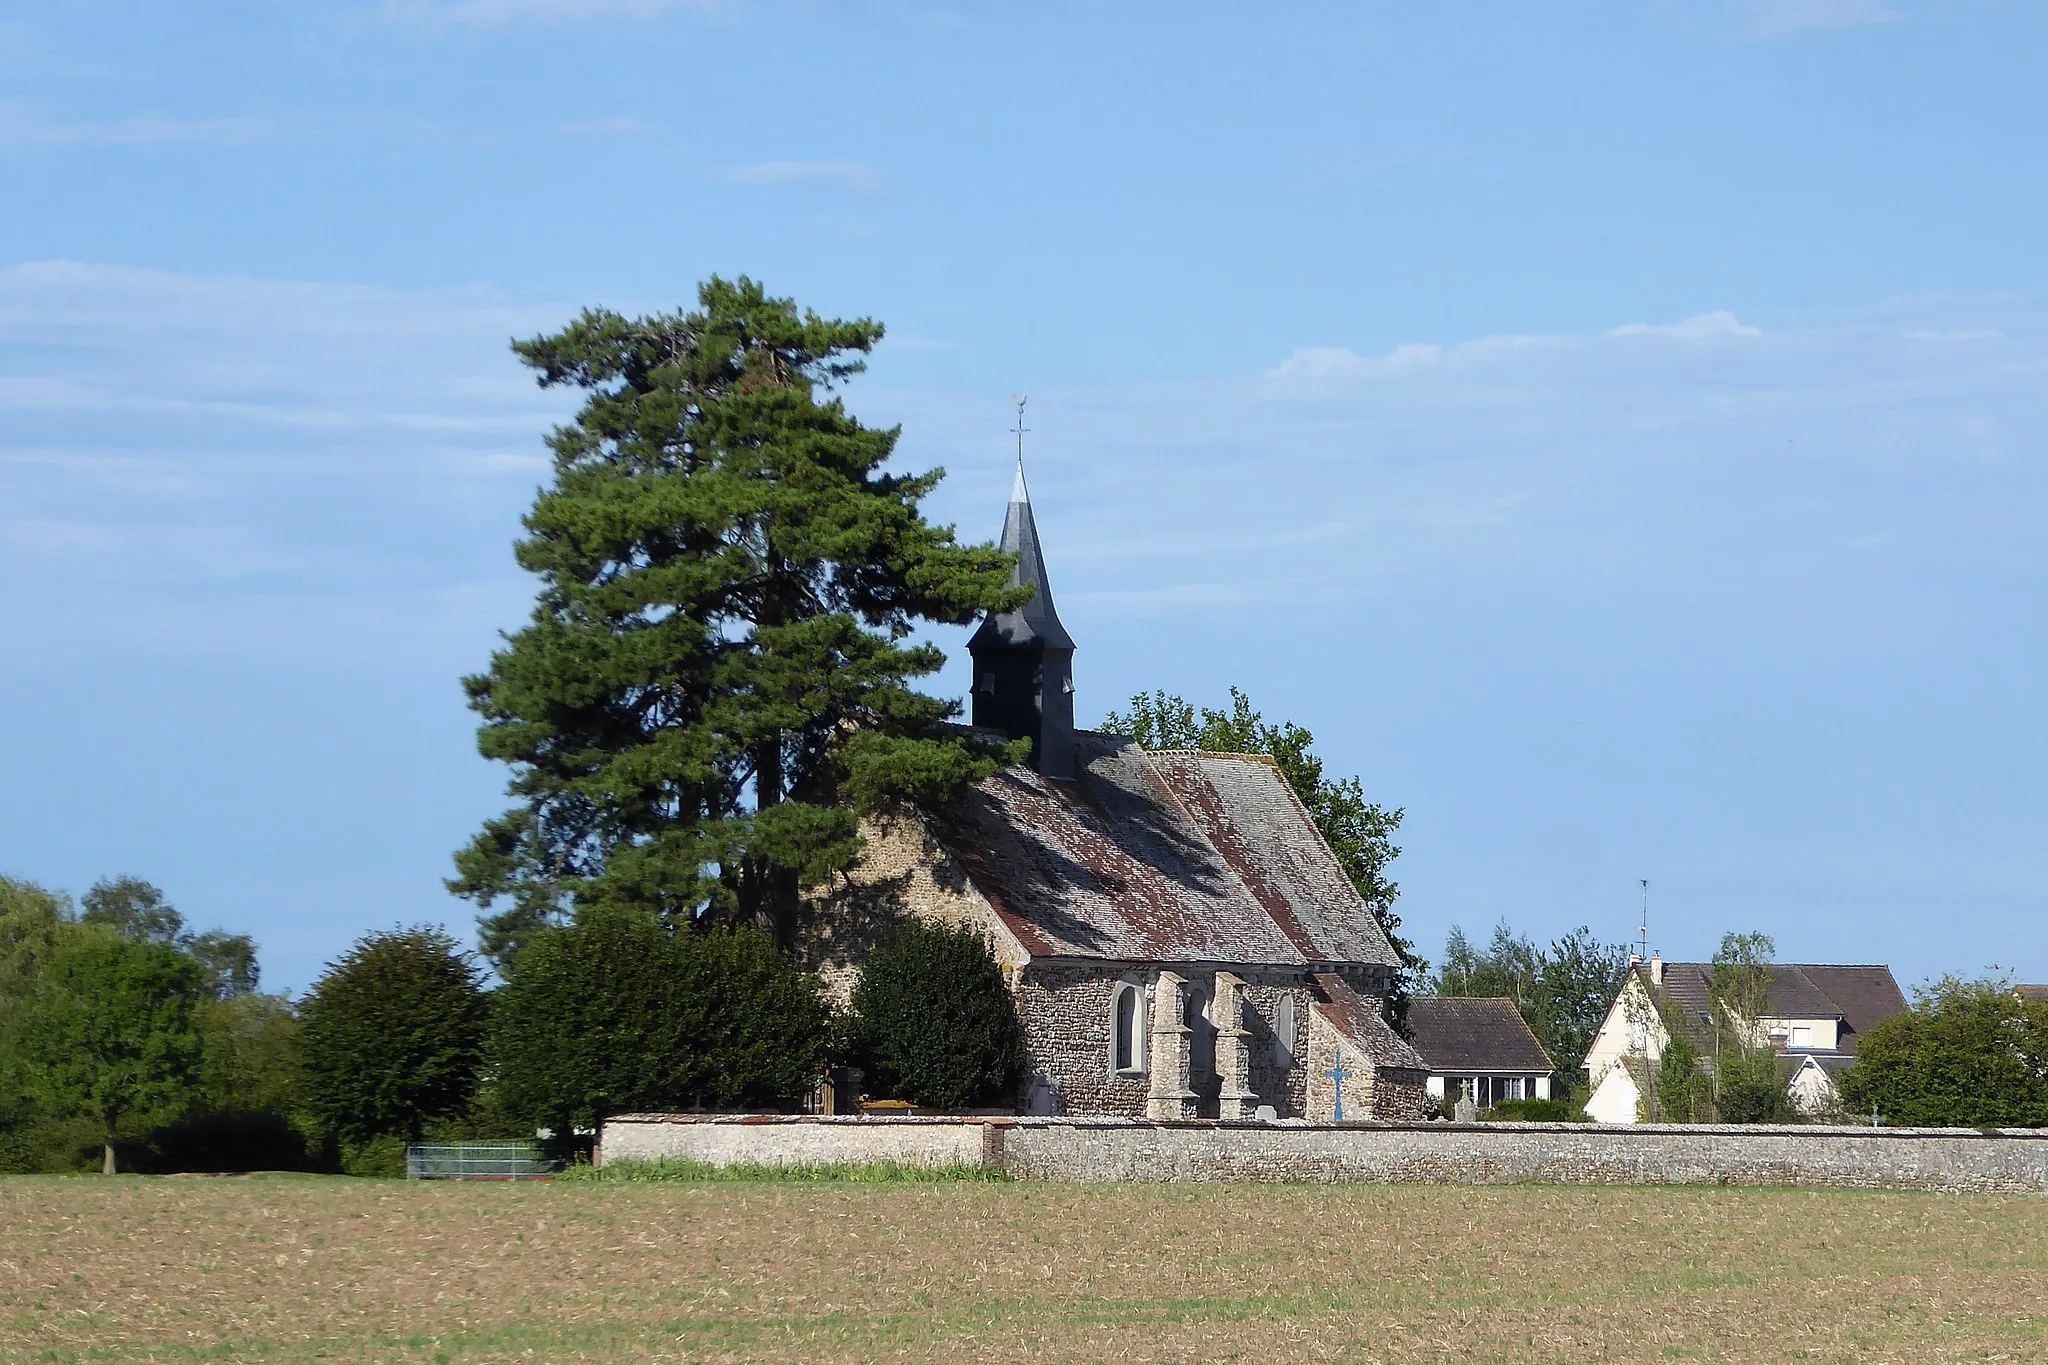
<point x="1169" y="857"/>
<point x="1360" y="1020"/>
<point x="1037" y="622"/>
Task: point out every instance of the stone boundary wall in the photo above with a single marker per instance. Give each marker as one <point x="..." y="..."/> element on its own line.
<point x="2011" y="1161"/>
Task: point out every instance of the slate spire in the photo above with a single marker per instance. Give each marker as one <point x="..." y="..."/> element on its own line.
<point x="1024" y="659"/>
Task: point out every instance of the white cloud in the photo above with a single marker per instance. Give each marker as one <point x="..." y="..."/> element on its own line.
<point x="1700" y="327"/>
<point x="1801" y="16"/>
<point x="24" y="125"/>
<point x="856" y="177"/>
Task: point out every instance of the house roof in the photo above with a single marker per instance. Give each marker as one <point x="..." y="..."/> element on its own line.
<point x="1360" y="1022"/>
<point x="1458" y="1034"/>
<point x="1159" y="858"/>
<point x="2031" y="993"/>
<point x="1861" y="996"/>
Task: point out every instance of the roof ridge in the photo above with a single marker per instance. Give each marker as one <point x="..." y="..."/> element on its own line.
<point x="1266" y="759"/>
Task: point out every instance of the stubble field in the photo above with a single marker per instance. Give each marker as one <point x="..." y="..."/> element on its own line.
<point x="289" y="1269"/>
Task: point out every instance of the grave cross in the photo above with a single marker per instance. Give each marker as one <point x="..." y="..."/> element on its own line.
<point x="1339" y="1075"/>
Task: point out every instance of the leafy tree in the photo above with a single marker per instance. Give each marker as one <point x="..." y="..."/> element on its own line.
<point x="1563" y="991"/>
<point x="1576" y="983"/>
<point x="1359" y="832"/>
<point x="1749" y="1086"/>
<point x="109" y="1031"/>
<point x="934" y="1020"/>
<point x="393" y="1035"/>
<point x="616" y="1012"/>
<point x="1968" y="1053"/>
<point x="716" y="680"/>
<point x="228" y="960"/>
<point x="131" y="908"/>
<point x="1682" y="1092"/>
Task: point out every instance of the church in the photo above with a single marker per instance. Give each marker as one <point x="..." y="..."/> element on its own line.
<point x="1180" y="942"/>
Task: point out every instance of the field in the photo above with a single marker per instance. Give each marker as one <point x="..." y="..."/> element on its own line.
<point x="289" y="1269"/>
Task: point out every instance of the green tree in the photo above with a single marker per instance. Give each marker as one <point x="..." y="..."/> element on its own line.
<point x="934" y="1020"/>
<point x="1967" y="1054"/>
<point x="131" y="908"/>
<point x="1749" y="1083"/>
<point x="717" y="677"/>
<point x="616" y="1013"/>
<point x="109" y="1031"/>
<point x="1682" y="1093"/>
<point x="1576" y="982"/>
<point x="393" y="1035"/>
<point x="1359" y="832"/>
<point x="1563" y="991"/>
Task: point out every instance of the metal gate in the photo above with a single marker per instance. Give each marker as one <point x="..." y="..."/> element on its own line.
<point x="476" y="1161"/>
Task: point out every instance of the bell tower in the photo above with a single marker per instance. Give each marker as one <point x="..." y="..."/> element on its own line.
<point x="1024" y="659"/>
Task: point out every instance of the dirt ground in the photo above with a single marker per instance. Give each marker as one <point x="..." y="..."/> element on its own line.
<point x="290" y="1269"/>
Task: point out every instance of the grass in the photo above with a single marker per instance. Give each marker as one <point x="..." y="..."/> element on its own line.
<point x="682" y="1268"/>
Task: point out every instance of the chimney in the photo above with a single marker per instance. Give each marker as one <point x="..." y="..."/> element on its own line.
<point x="1656" y="970"/>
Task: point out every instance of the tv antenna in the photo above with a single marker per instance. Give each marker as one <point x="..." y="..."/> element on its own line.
<point x="1643" y="930"/>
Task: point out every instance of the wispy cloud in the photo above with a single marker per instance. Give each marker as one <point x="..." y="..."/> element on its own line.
<point x="25" y="125"/>
<point x="856" y="177"/>
<point x="1769" y="17"/>
<point x="1700" y="327"/>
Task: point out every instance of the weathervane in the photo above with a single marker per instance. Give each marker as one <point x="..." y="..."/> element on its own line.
<point x="1020" y="399"/>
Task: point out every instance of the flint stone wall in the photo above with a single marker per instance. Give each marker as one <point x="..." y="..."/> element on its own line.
<point x="2013" y="1161"/>
<point x="778" y="1140"/>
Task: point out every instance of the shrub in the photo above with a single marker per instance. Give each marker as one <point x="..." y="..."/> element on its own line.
<point x="614" y="1014"/>
<point x="1534" y="1111"/>
<point x="393" y="1035"/>
<point x="1968" y="1054"/>
<point x="934" y="1022"/>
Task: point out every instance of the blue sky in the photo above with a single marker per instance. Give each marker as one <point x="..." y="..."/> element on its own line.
<point x="1615" y="429"/>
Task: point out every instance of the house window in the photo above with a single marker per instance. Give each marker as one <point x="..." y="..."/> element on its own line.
<point x="1638" y="1036"/>
<point x="1127" y="1029"/>
<point x="1283" y="1031"/>
<point x="1802" y="1036"/>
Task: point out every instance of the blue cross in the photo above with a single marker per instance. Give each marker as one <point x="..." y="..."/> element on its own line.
<point x="1338" y="1074"/>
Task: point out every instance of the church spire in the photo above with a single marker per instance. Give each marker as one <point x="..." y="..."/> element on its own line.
<point x="1023" y="659"/>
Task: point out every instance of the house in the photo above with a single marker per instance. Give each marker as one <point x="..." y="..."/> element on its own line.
<point x="1180" y="941"/>
<point x="1815" y="1015"/>
<point x="2037" y="994"/>
<point x="1479" y="1048"/>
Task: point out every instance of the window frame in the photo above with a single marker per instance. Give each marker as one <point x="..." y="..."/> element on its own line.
<point x="1136" y="994"/>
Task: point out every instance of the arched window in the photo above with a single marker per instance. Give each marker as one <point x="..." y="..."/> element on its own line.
<point x="1126" y="1049"/>
<point x="1283" y="1031"/>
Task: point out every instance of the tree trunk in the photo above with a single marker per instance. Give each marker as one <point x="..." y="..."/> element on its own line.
<point x="107" y="1161"/>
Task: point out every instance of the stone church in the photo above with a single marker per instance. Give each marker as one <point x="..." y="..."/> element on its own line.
<point x="1179" y="938"/>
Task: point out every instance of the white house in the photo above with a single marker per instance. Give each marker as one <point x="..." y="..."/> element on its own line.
<point x="1816" y="1013"/>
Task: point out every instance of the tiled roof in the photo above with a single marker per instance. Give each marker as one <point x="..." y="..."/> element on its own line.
<point x="1359" y="1020"/>
<point x="2031" y="993"/>
<point x="1159" y="858"/>
<point x="1860" y="996"/>
<point x="1459" y="1034"/>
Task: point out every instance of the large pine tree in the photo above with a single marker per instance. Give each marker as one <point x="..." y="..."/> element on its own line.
<point x="717" y="677"/>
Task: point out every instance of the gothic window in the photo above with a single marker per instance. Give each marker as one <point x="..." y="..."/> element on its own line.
<point x="1127" y="1029"/>
<point x="1283" y="1031"/>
